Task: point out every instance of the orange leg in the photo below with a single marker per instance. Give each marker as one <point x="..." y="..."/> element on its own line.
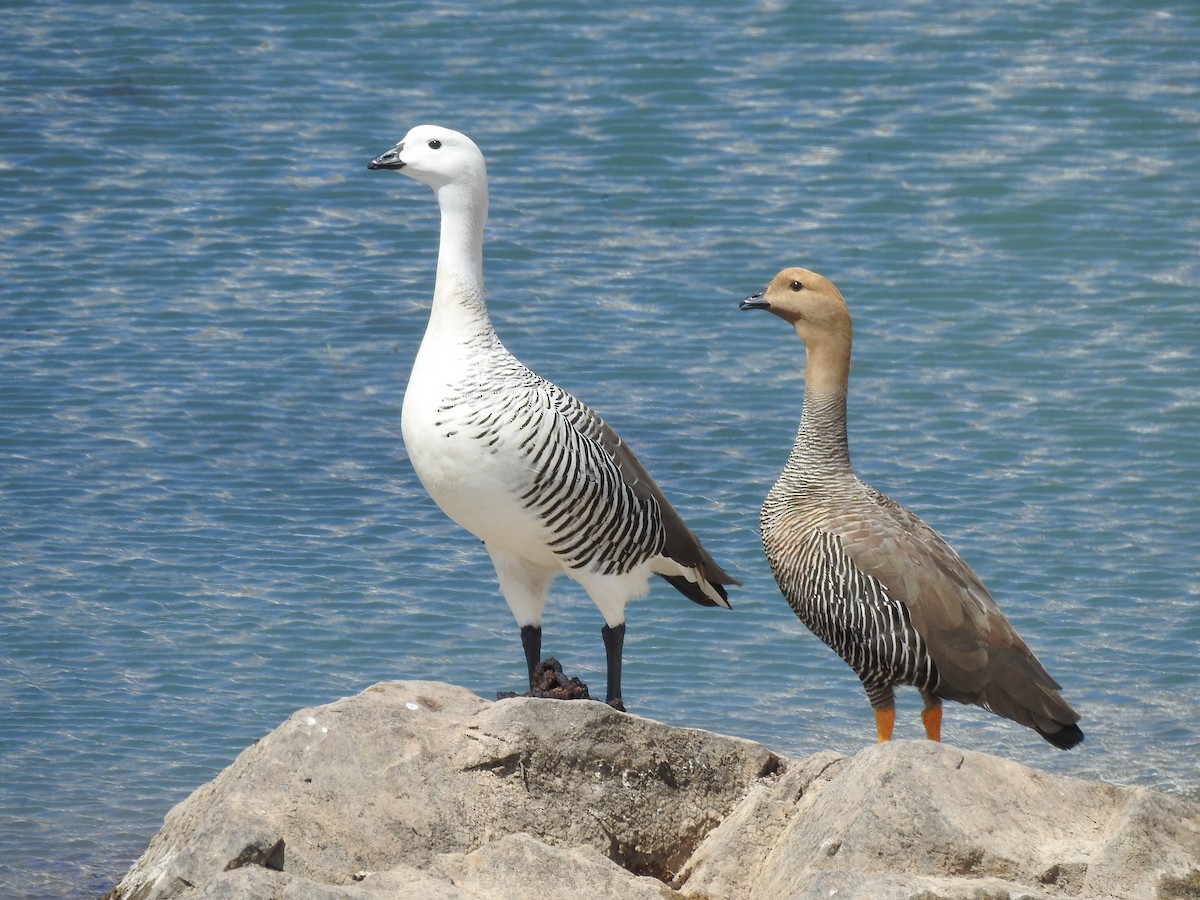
<point x="932" y="717"/>
<point x="885" y="721"/>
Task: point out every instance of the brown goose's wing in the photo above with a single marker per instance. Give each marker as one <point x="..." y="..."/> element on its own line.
<point x="979" y="655"/>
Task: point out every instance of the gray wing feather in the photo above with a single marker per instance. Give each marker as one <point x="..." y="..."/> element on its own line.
<point x="980" y="657"/>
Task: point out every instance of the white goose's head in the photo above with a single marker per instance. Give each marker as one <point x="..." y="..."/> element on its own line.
<point x="437" y="157"/>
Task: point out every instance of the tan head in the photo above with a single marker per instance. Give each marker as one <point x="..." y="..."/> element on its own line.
<point x="815" y="308"/>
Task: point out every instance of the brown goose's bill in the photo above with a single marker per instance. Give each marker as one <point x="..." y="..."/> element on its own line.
<point x="755" y="301"/>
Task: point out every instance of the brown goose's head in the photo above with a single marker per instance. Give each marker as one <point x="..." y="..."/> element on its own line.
<point x="812" y="305"/>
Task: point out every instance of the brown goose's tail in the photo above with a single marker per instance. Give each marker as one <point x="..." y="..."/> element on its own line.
<point x="1065" y="738"/>
<point x="1021" y="689"/>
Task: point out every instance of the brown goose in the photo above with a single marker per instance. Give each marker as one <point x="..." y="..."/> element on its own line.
<point x="868" y="577"/>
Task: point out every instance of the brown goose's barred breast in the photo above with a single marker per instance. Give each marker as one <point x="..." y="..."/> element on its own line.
<point x="849" y="610"/>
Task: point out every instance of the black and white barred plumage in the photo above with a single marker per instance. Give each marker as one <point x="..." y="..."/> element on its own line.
<point x="579" y="480"/>
<point x="850" y="610"/>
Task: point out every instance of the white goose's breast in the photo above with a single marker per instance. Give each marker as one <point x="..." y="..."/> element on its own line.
<point x="475" y="474"/>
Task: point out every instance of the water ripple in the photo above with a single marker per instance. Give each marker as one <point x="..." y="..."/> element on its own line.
<point x="210" y="308"/>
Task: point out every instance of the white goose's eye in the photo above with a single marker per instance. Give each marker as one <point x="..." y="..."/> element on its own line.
<point x="435" y="144"/>
<point x="796" y="286"/>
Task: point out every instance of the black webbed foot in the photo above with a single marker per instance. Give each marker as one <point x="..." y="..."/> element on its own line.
<point x="548" y="682"/>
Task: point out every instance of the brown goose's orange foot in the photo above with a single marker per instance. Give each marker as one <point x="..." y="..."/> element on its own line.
<point x="885" y="721"/>
<point x="932" y="718"/>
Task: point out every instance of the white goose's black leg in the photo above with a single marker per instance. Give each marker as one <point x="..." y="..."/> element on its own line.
<point x="531" y="641"/>
<point x="614" y="643"/>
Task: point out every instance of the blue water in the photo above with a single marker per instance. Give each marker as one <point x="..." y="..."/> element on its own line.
<point x="208" y="309"/>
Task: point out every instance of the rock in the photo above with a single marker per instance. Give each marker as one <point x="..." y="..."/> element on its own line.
<point x="420" y="789"/>
<point x="920" y="819"/>
<point x="520" y="865"/>
<point x="410" y="773"/>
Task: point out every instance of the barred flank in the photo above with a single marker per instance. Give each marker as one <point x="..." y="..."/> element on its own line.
<point x="595" y="519"/>
<point x="848" y="610"/>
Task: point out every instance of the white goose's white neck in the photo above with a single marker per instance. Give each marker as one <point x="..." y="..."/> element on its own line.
<point x="459" y="310"/>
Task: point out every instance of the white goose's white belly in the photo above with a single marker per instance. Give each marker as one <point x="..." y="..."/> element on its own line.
<point x="477" y="482"/>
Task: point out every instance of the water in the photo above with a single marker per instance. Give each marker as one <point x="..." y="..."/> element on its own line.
<point x="209" y="307"/>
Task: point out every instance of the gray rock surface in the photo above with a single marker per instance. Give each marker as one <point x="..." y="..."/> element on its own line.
<point x="424" y="790"/>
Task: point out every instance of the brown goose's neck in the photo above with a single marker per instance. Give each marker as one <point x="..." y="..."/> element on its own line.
<point x="822" y="445"/>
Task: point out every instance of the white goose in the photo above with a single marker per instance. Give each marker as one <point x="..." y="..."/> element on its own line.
<point x="518" y="462"/>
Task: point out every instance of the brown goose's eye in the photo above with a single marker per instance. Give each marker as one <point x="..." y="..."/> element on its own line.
<point x="435" y="144"/>
<point x="796" y="286"/>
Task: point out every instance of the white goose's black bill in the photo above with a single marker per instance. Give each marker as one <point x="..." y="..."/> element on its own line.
<point x="389" y="160"/>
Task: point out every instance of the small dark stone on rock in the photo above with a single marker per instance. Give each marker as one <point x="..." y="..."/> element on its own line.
<point x="549" y="683"/>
